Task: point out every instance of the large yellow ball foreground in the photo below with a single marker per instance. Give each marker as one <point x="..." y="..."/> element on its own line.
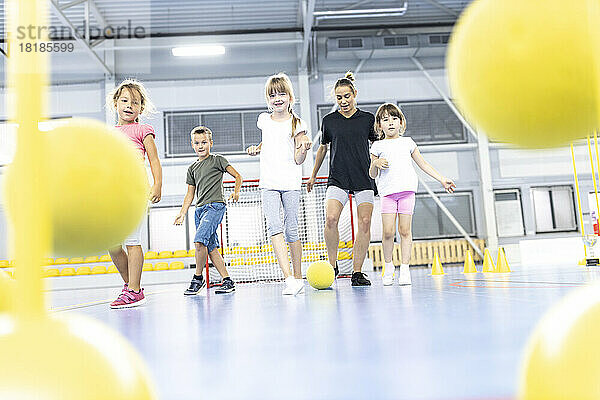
<point x="68" y="358"/>
<point x="97" y="187"/>
<point x="7" y="292"/>
<point x="320" y="275"/>
<point x="525" y="71"/>
<point x="562" y="360"/>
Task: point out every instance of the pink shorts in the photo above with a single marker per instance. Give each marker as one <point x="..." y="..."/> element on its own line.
<point x="398" y="203"/>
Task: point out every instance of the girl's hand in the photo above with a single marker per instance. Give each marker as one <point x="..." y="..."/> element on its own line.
<point x="381" y="163"/>
<point x="155" y="194"/>
<point x="310" y="184"/>
<point x="253" y="150"/>
<point x="235" y="196"/>
<point x="448" y="184"/>
<point x="304" y="145"/>
<point x="179" y="220"/>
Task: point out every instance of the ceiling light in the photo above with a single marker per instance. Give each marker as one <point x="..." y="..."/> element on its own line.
<point x="198" y="51"/>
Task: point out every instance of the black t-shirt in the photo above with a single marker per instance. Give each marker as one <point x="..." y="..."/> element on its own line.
<point x="349" y="160"/>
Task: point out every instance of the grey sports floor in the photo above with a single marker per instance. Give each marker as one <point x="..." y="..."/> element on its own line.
<point x="445" y="337"/>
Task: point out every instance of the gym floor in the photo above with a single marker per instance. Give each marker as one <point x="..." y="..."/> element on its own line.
<point x="445" y="337"/>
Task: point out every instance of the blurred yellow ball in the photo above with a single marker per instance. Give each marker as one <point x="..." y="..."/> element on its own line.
<point x="71" y="357"/>
<point x="320" y="275"/>
<point x="97" y="187"/>
<point x="525" y="71"/>
<point x="7" y="292"/>
<point x="562" y="360"/>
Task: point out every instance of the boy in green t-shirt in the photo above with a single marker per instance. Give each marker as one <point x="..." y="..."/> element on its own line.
<point x="205" y="180"/>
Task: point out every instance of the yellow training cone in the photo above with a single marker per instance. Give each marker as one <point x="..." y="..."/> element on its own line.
<point x="436" y="265"/>
<point x="469" y="264"/>
<point x="488" y="263"/>
<point x="502" y="263"/>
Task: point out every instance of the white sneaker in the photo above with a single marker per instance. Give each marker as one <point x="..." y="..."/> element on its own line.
<point x="404" y="276"/>
<point x="387" y="279"/>
<point x="292" y="286"/>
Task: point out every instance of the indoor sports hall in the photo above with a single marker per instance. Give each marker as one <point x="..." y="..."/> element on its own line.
<point x="339" y="199"/>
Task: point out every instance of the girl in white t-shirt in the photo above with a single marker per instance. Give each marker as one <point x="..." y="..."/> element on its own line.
<point x="392" y="167"/>
<point x="282" y="151"/>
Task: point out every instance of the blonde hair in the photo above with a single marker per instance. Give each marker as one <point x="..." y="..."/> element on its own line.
<point x="389" y="109"/>
<point x="201" y="130"/>
<point x="147" y="107"/>
<point x="280" y="83"/>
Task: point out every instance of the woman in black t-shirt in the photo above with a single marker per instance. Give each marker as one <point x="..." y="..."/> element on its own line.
<point x="349" y="131"/>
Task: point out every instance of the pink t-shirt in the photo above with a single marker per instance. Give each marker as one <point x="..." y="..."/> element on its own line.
<point x="137" y="133"/>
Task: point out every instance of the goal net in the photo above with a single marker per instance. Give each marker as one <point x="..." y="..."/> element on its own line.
<point x="246" y="246"/>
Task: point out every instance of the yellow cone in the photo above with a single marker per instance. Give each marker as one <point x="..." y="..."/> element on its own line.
<point x="502" y="263"/>
<point x="436" y="266"/>
<point x="488" y="263"/>
<point x="469" y="264"/>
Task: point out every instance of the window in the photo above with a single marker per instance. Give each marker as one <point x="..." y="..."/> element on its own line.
<point x="509" y="216"/>
<point x="163" y="234"/>
<point x="429" y="221"/>
<point x="554" y="209"/>
<point x="431" y="122"/>
<point x="233" y="131"/>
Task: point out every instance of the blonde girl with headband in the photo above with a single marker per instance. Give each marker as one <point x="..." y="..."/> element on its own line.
<point x="392" y="165"/>
<point x="348" y="131"/>
<point x="285" y="142"/>
<point x="130" y="101"/>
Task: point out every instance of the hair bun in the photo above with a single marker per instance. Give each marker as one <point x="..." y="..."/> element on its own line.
<point x="350" y="76"/>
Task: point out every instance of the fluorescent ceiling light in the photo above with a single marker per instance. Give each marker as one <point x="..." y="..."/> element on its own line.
<point x="198" y="51"/>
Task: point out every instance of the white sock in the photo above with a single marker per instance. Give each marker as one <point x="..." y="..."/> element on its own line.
<point x="389" y="269"/>
<point x="404" y="266"/>
<point x="290" y="280"/>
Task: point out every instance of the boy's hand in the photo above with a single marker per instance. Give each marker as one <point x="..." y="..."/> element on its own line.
<point x="235" y="196"/>
<point x="381" y="163"/>
<point x="253" y="150"/>
<point x="179" y="220"/>
<point x="448" y="184"/>
<point x="155" y="194"/>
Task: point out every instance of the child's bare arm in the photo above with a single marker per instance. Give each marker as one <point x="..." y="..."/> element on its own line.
<point x="303" y="145"/>
<point x="429" y="170"/>
<point x="187" y="201"/>
<point x="155" y="167"/>
<point x="238" y="183"/>
<point x="377" y="163"/>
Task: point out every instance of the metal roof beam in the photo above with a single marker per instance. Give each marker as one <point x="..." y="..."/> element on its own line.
<point x="443" y="7"/>
<point x="308" y="22"/>
<point x="65" y="20"/>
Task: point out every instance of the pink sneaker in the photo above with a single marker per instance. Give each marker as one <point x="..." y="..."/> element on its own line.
<point x="129" y="298"/>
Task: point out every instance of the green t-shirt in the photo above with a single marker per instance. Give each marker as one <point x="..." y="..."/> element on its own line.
<point x="207" y="177"/>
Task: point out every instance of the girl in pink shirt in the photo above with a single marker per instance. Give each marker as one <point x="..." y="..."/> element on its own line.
<point x="130" y="100"/>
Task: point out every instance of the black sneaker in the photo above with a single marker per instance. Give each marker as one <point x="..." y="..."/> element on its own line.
<point x="360" y="279"/>
<point x="195" y="286"/>
<point x="226" y="287"/>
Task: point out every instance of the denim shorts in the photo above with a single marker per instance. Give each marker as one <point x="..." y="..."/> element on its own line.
<point x="208" y="218"/>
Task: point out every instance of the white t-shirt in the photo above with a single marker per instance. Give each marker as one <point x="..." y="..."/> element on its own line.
<point x="400" y="176"/>
<point x="278" y="170"/>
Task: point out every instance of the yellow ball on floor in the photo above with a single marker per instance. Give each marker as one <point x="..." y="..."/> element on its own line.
<point x="97" y="187"/>
<point x="320" y="275"/>
<point x="526" y="72"/>
<point x="562" y="360"/>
